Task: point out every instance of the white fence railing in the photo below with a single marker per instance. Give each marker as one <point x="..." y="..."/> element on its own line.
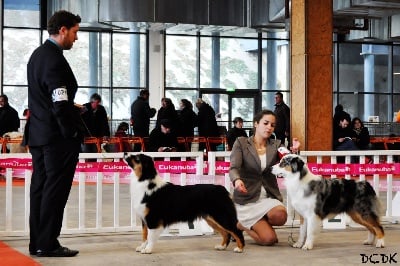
<point x="101" y="200"/>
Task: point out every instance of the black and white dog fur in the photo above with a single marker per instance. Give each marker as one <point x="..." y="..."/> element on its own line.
<point x="316" y="198"/>
<point x="160" y="204"/>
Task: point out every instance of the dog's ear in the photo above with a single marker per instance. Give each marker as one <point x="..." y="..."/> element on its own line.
<point x="148" y="169"/>
<point x="131" y="159"/>
<point x="297" y="164"/>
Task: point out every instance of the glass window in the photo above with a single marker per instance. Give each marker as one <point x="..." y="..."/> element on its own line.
<point x="18" y="46"/>
<point x="129" y="60"/>
<point x="235" y="64"/>
<point x="275" y="65"/>
<point x="177" y="95"/>
<point x="121" y="104"/>
<point x="22" y="13"/>
<point x="180" y="61"/>
<point x="89" y="59"/>
<point x="396" y="72"/>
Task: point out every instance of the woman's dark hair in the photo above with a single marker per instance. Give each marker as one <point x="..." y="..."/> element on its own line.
<point x="187" y="103"/>
<point x="354" y="121"/>
<point x="260" y="115"/>
<point x="62" y="18"/>
<point x="237" y="119"/>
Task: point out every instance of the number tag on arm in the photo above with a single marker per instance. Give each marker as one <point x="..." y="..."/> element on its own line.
<point x="59" y="94"/>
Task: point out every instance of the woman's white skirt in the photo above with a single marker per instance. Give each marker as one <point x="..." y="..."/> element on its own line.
<point x="251" y="213"/>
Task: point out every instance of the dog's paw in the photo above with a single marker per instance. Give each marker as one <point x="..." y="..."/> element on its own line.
<point x="237" y="250"/>
<point x="220" y="247"/>
<point x="368" y="242"/>
<point x="298" y="245"/>
<point x="307" y="246"/>
<point x="141" y="247"/>
<point x="146" y="250"/>
<point x="380" y="243"/>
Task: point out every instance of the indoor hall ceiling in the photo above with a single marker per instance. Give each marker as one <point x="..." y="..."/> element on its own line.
<point x="379" y="19"/>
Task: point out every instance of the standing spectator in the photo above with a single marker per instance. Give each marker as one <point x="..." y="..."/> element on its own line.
<point x="162" y="138"/>
<point x="207" y="122"/>
<point x="361" y="134"/>
<point x="94" y="116"/>
<point x="282" y="111"/>
<point x="187" y="119"/>
<point x="54" y="135"/>
<point x="9" y="120"/>
<point x="167" y="111"/>
<point x="235" y="132"/>
<point x="141" y="114"/>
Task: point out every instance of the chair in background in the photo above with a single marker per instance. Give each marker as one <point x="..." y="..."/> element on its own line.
<point x="128" y="143"/>
<point x="146" y="143"/>
<point x="111" y="144"/>
<point x="197" y="143"/>
<point x="182" y="145"/>
<point x="216" y="143"/>
<point x="13" y="145"/>
<point x="92" y="141"/>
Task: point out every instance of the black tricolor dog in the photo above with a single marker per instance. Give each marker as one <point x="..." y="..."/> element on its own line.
<point x="317" y="198"/>
<point x="160" y="204"/>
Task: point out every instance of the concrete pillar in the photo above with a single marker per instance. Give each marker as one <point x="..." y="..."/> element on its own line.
<point x="369" y="83"/>
<point x="93" y="61"/>
<point x="134" y="68"/>
<point x="215" y="70"/>
<point x="311" y="73"/>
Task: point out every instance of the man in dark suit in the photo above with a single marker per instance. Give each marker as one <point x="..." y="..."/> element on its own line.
<point x="141" y="114"/>
<point x="54" y="135"/>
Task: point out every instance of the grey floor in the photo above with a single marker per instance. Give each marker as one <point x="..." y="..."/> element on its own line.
<point x="333" y="247"/>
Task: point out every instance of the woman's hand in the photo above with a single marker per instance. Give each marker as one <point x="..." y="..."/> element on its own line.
<point x="295" y="145"/>
<point x="239" y="186"/>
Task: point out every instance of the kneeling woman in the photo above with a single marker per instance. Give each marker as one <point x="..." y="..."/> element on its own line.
<point x="257" y="197"/>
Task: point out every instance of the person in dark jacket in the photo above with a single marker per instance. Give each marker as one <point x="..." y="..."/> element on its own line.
<point x="282" y="111"/>
<point x="167" y="111"/>
<point x="54" y="134"/>
<point x="9" y="120"/>
<point x="94" y="116"/>
<point x="187" y="119"/>
<point x="162" y="138"/>
<point x="141" y="114"/>
<point x="235" y="132"/>
<point x="360" y="134"/>
<point x="207" y="123"/>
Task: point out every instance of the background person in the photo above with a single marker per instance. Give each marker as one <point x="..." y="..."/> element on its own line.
<point x="9" y="120"/>
<point x="162" y="138"/>
<point x="235" y="132"/>
<point x="361" y="134"/>
<point x="282" y="112"/>
<point x="187" y="119"/>
<point x="257" y="197"/>
<point x="141" y="114"/>
<point x="54" y="136"/>
<point x="94" y="116"/>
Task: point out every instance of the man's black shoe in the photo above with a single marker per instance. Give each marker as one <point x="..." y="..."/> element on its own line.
<point x="59" y="252"/>
<point x="32" y="252"/>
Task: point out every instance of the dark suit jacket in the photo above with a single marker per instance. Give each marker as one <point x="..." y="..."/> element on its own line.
<point x="51" y="121"/>
<point x="246" y="165"/>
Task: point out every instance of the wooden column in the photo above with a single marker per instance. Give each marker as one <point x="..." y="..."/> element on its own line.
<point x="311" y="73"/>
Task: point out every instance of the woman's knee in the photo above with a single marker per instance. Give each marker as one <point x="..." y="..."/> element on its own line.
<point x="277" y="217"/>
<point x="267" y="240"/>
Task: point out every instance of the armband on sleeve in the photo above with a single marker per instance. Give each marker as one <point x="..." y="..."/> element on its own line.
<point x="59" y="94"/>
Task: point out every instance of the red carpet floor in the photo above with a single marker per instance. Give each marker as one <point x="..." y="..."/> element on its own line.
<point x="11" y="257"/>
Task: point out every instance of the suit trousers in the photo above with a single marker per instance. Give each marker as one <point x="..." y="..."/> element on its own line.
<point x="53" y="171"/>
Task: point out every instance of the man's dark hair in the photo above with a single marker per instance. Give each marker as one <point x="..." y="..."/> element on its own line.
<point x="144" y="92"/>
<point x="95" y="97"/>
<point x="62" y="18"/>
<point x="4" y="97"/>
<point x="279" y="93"/>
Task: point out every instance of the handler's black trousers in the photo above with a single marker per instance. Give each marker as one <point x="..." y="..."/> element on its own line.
<point x="53" y="171"/>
